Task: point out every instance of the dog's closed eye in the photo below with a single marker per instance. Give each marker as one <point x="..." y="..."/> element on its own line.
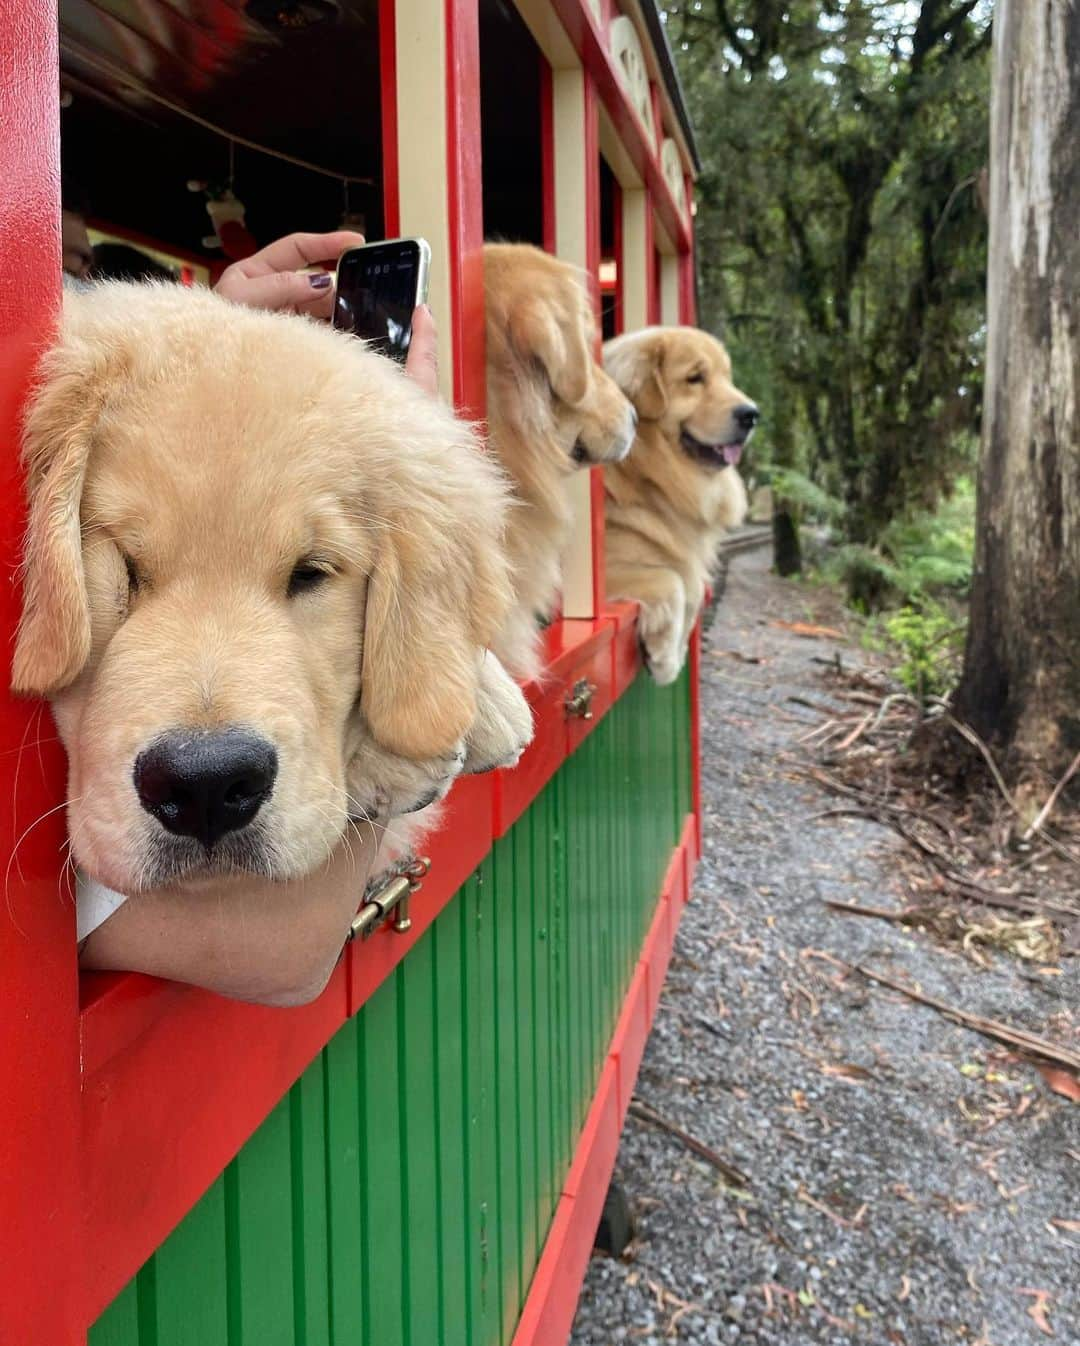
<point x="134" y="579"/>
<point x="306" y="575"/>
<point x="696" y="377"/>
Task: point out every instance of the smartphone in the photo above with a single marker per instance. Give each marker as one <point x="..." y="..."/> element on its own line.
<point x="378" y="287"/>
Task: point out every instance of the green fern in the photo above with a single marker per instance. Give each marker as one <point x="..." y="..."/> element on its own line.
<point x="792" y="486"/>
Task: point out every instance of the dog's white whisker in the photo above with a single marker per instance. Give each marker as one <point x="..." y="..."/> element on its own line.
<point x="48" y="813"/>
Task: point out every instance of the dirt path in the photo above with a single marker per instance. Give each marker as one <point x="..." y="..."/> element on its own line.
<point x="905" y="1176"/>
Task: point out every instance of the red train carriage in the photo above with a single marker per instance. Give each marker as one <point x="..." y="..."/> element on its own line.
<point x="421" y="1155"/>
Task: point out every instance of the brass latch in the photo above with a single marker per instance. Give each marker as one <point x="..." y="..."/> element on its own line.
<point x="389" y="896"/>
<point x="579" y="702"/>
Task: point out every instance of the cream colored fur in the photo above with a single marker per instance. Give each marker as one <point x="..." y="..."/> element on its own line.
<point x="206" y="450"/>
<point x="666" y="510"/>
<point x="551" y="409"/>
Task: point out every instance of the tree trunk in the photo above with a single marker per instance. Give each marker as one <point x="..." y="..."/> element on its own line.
<point x="1021" y="680"/>
<point x="787" y="548"/>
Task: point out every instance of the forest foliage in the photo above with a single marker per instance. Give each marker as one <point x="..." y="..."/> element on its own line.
<point x="842" y="240"/>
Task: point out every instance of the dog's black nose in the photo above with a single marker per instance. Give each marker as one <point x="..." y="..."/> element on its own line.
<point x="203" y="785"/>
<point x="746" y="416"/>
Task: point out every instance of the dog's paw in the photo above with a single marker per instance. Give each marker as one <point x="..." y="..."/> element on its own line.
<point x="382" y="785"/>
<point x="503" y="727"/>
<point x="662" y="649"/>
<point x="664" y="668"/>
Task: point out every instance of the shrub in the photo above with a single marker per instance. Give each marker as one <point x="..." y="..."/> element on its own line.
<point x="930" y="641"/>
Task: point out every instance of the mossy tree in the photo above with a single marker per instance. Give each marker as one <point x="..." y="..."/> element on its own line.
<point x="1021" y="682"/>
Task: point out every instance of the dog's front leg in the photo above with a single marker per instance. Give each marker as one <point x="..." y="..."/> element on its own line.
<point x="662" y="627"/>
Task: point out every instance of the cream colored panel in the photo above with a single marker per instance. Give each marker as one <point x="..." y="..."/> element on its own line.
<point x="630" y="62"/>
<point x="571" y="244"/>
<point x="571" y="170"/>
<point x="671" y="164"/>
<point x="614" y="151"/>
<point x="548" y="33"/>
<point x="577" y="563"/>
<point x="632" y="9"/>
<point x="635" y="285"/>
<point x="422" y="178"/>
<point x="669" y="290"/>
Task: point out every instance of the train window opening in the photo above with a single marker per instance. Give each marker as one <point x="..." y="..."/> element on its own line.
<point x="512" y="133"/>
<point x="153" y="103"/>
<point x="610" y="252"/>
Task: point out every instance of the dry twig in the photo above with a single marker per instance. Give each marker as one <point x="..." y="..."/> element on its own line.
<point x="645" y="1113"/>
<point x="990" y="1028"/>
<point x="1055" y="795"/>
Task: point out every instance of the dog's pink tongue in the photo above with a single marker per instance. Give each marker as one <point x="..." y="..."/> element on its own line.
<point x="732" y="453"/>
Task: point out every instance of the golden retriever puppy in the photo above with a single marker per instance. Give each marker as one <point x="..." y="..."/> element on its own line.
<point x="679" y="491"/>
<point x="261" y="570"/>
<point x="551" y="409"/>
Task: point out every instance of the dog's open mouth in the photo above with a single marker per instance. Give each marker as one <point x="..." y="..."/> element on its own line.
<point x="713" y="455"/>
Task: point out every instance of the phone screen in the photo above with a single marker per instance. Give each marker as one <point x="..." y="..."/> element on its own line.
<point x="377" y="291"/>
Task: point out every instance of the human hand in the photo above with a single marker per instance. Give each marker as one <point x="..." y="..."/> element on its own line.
<point x="246" y="937"/>
<point x="270" y="278"/>
<point x="422" y="361"/>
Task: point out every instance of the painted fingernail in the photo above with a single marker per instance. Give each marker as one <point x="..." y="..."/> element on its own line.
<point x="321" y="281"/>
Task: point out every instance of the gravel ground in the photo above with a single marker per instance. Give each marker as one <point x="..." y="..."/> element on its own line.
<point x="904" y="1174"/>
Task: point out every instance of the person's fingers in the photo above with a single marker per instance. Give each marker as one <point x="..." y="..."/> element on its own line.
<point x="422" y="362"/>
<point x="297" y="250"/>
<point x="280" y="290"/>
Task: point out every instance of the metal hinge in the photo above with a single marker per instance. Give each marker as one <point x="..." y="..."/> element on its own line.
<point x="579" y="702"/>
<point x="389" y="896"/>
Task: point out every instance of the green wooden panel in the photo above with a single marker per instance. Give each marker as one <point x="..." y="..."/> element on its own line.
<point x="511" y="1151"/>
<point x="420" y="1159"/>
<point x="258" y="1230"/>
<point x="479" y="1169"/>
<point x="194" y="1256"/>
<point x="401" y="1192"/>
<point x="574" y="897"/>
<point x="119" y="1324"/>
<point x="343" y="1224"/>
<point x="382" y="1163"/>
<point x="451" y="1111"/>
<point x="555" y="859"/>
<point x="538" y="820"/>
<point x="311" y="1238"/>
<point x="516" y="897"/>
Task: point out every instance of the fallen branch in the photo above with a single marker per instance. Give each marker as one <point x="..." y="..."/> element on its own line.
<point x="888" y="814"/>
<point x="843" y="1221"/>
<point x="855" y="734"/>
<point x="970" y="736"/>
<point x="879" y="913"/>
<point x="1055" y="795"/>
<point x="644" y="1113"/>
<point x="810" y="705"/>
<point x="990" y="1028"/>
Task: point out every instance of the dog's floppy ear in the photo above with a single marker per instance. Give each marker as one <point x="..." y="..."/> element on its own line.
<point x="53" y="640"/>
<point x="636" y="364"/>
<point x="437" y="595"/>
<point x="558" y="341"/>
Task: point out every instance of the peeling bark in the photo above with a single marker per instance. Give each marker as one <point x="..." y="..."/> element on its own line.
<point x="1021" y="682"/>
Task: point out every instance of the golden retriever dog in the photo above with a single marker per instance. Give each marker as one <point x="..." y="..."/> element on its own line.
<point x="262" y="568"/>
<point x="669" y="504"/>
<point x="551" y="409"/>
